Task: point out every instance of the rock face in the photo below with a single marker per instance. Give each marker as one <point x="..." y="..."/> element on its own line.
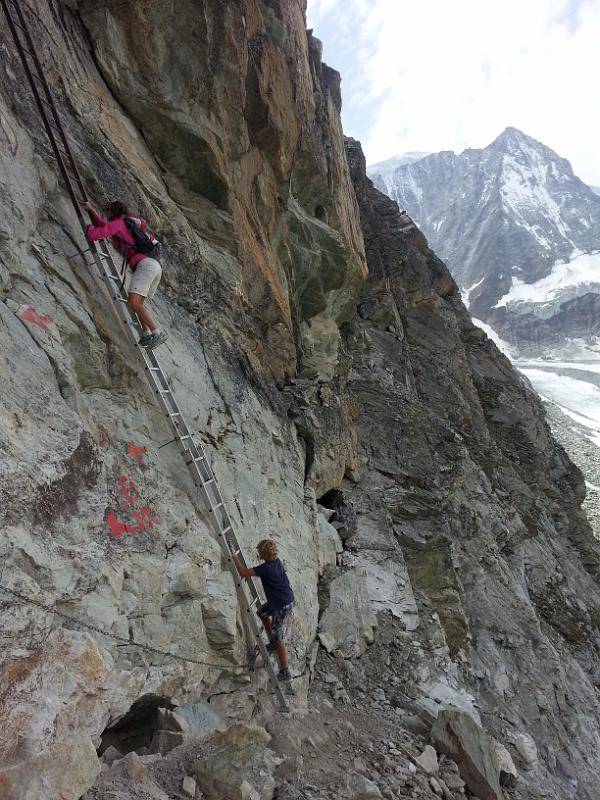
<point x="221" y="125"/>
<point x="514" y="224"/>
<point x="348" y="621"/>
<point x="451" y="521"/>
<point x="330" y="405"/>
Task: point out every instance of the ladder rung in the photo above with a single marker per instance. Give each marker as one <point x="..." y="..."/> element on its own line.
<point x="214" y="508"/>
<point x="196" y="459"/>
<point x="224" y="530"/>
<point x="66" y="156"/>
<point x="73" y="176"/>
<point x="58" y="130"/>
<point x="173" y="414"/>
<point x="18" y="25"/>
<point x="163" y="391"/>
<point x="80" y="252"/>
<point x="29" y="53"/>
<point x="253" y="604"/>
<point x="47" y="103"/>
<point x="37" y="77"/>
<point x="74" y="180"/>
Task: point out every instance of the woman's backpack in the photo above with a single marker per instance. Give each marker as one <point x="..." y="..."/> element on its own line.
<point x="145" y="241"/>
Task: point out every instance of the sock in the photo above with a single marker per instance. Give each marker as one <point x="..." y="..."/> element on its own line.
<point x="156" y="332"/>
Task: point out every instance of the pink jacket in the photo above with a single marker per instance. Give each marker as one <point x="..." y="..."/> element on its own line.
<point x="122" y="238"/>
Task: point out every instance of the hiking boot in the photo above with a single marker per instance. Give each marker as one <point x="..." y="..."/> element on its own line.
<point x="145" y="339"/>
<point x="284" y="675"/>
<point x="157" y="338"/>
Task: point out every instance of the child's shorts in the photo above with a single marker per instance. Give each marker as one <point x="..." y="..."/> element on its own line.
<point x="280" y="620"/>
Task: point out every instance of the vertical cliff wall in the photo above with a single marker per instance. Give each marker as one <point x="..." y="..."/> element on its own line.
<point x="314" y="390"/>
<point x="469" y="516"/>
<point x="221" y="125"/>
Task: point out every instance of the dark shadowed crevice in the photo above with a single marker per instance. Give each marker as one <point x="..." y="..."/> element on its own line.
<point x="344" y="519"/>
<point x="136" y="729"/>
<point x="309" y="450"/>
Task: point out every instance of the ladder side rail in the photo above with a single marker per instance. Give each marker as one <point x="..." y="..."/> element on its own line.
<point x="58" y="126"/>
<point x="36" y="94"/>
<point x="227" y="535"/>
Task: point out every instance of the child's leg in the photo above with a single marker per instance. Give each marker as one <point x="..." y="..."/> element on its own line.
<point x="279" y="627"/>
<point x="266" y="617"/>
<point x="268" y="623"/>
<point x="282" y="656"/>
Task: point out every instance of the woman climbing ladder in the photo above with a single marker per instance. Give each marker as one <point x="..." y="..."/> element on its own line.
<point x="132" y="238"/>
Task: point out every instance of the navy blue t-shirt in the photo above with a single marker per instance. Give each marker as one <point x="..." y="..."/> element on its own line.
<point x="275" y="583"/>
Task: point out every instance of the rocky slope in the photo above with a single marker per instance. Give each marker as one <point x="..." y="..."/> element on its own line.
<point x="431" y="526"/>
<point x="519" y="231"/>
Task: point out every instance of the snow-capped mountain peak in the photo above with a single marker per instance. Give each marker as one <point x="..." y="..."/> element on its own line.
<point x="505" y="217"/>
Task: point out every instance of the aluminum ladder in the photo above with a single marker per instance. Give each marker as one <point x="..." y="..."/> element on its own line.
<point x="192" y="452"/>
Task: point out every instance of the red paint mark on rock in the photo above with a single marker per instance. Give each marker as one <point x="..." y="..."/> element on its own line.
<point x="29" y="314"/>
<point x="117" y="528"/>
<point x="145" y="520"/>
<point x="129" y="502"/>
<point x="128" y="491"/>
<point x="137" y="452"/>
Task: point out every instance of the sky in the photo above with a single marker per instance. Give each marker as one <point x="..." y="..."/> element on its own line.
<point x="430" y="75"/>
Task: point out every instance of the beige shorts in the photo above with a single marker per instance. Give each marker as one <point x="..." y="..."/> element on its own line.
<point x="145" y="278"/>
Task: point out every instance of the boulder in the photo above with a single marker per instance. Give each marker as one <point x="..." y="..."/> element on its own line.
<point x="219" y="609"/>
<point x="248" y="792"/>
<point x="290" y="769"/>
<point x="165" y="741"/>
<point x="329" y="542"/>
<point x="235" y="764"/>
<point x="130" y="767"/>
<point x="428" y="760"/>
<point x="182" y="577"/>
<point x="508" y="771"/>
<point x="526" y="748"/>
<point x="455" y="734"/>
<point x="110" y="755"/>
<point x="362" y="788"/>
<point x="198" y="719"/>
<point x="415" y="724"/>
<point x="126" y="779"/>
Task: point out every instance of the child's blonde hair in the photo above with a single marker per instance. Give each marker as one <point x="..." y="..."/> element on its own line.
<point x="267" y="549"/>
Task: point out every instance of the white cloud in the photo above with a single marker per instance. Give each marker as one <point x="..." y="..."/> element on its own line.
<point x="432" y="75"/>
